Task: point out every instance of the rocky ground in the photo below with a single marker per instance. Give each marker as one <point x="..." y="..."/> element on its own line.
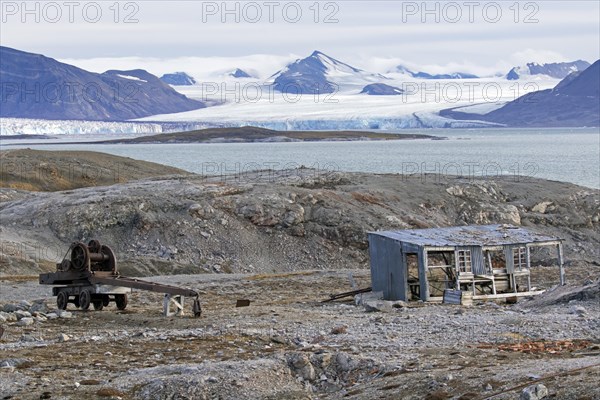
<point x="274" y="221"/>
<point x="289" y="345"/>
<point x="285" y="240"/>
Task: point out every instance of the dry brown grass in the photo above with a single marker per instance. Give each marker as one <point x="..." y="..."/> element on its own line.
<point x="366" y="198"/>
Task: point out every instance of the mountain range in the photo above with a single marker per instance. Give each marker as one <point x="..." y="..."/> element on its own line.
<point x="35" y="86"/>
<point x="555" y="70"/>
<point x="575" y="101"/>
<point x="320" y="73"/>
<point x="381" y="89"/>
<point x="239" y="73"/>
<point x="178" y="79"/>
<point x="424" y="75"/>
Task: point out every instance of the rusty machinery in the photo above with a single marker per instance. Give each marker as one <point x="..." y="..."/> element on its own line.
<point x="89" y="276"/>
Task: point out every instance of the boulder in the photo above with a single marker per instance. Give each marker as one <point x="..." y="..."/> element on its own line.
<point x="301" y="366"/>
<point x="534" y="392"/>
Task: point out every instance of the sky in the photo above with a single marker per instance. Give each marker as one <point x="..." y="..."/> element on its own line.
<point x="482" y="37"/>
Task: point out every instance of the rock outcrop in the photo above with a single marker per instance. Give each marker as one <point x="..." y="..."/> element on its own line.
<point x="275" y="221"/>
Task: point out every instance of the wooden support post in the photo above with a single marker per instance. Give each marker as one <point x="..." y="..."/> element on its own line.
<point x="177" y="302"/>
<point x="560" y="263"/>
<point x="423" y="283"/>
<point x="404" y="267"/>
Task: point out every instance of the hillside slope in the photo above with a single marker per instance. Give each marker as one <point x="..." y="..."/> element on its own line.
<point x="275" y="221"/>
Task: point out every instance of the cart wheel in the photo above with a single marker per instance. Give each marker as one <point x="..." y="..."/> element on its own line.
<point x="85" y="299"/>
<point x="98" y="305"/>
<point x="121" y="300"/>
<point x="62" y="300"/>
<point x="105" y="300"/>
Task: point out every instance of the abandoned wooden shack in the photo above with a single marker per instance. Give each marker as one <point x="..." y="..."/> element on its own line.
<point x="489" y="261"/>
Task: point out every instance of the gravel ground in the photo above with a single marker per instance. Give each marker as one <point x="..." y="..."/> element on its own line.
<point x="287" y="344"/>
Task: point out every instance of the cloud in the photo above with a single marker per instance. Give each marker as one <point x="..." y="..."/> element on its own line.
<point x="537" y="55"/>
<point x="371" y="35"/>
<point x="201" y="68"/>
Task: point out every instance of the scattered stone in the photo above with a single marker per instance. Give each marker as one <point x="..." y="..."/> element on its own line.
<point x="22" y="314"/>
<point x="10" y="308"/>
<point x="534" y="392"/>
<point x="578" y="310"/>
<point x="377" y="306"/>
<point x="62" y="337"/>
<point x="212" y="379"/>
<point x="542" y="207"/>
<point x="10" y="317"/>
<point x="301" y="367"/>
<point x="24" y="304"/>
<point x="339" y="330"/>
<point x="39" y="306"/>
<point x="109" y="392"/>
<point x="399" y="304"/>
<point x="25" y="321"/>
<point x="279" y="340"/>
<point x="203" y="211"/>
<point x="64" y="314"/>
<point x="13" y="362"/>
<point x="28" y="338"/>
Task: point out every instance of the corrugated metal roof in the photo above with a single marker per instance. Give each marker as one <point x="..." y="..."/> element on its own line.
<point x="470" y="235"/>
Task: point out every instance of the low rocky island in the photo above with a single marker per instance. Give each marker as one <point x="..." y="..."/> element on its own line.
<point x="247" y="134"/>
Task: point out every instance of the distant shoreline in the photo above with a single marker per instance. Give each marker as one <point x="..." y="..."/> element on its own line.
<point x="243" y="135"/>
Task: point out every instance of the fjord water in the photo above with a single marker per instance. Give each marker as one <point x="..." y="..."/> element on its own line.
<point x="569" y="155"/>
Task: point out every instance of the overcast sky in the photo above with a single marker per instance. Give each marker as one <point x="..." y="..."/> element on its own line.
<point x="477" y="36"/>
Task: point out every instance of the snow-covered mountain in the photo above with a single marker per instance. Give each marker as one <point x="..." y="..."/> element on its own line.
<point x="239" y="73"/>
<point x="178" y="79"/>
<point x="574" y="102"/>
<point x="320" y="73"/>
<point x="35" y="86"/>
<point x="353" y="98"/>
<point x="381" y="89"/>
<point x="424" y="75"/>
<point x="554" y="70"/>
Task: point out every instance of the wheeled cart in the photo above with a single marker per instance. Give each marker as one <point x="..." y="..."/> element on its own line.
<point x="90" y="277"/>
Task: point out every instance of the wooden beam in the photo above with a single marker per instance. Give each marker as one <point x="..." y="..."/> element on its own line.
<point x="560" y="263"/>
<point x="423" y="283"/>
<point x="505" y="295"/>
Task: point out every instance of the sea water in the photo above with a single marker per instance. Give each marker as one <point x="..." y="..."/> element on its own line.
<point x="569" y="155"/>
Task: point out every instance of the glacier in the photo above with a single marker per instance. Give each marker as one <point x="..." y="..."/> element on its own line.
<point x="23" y="126"/>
